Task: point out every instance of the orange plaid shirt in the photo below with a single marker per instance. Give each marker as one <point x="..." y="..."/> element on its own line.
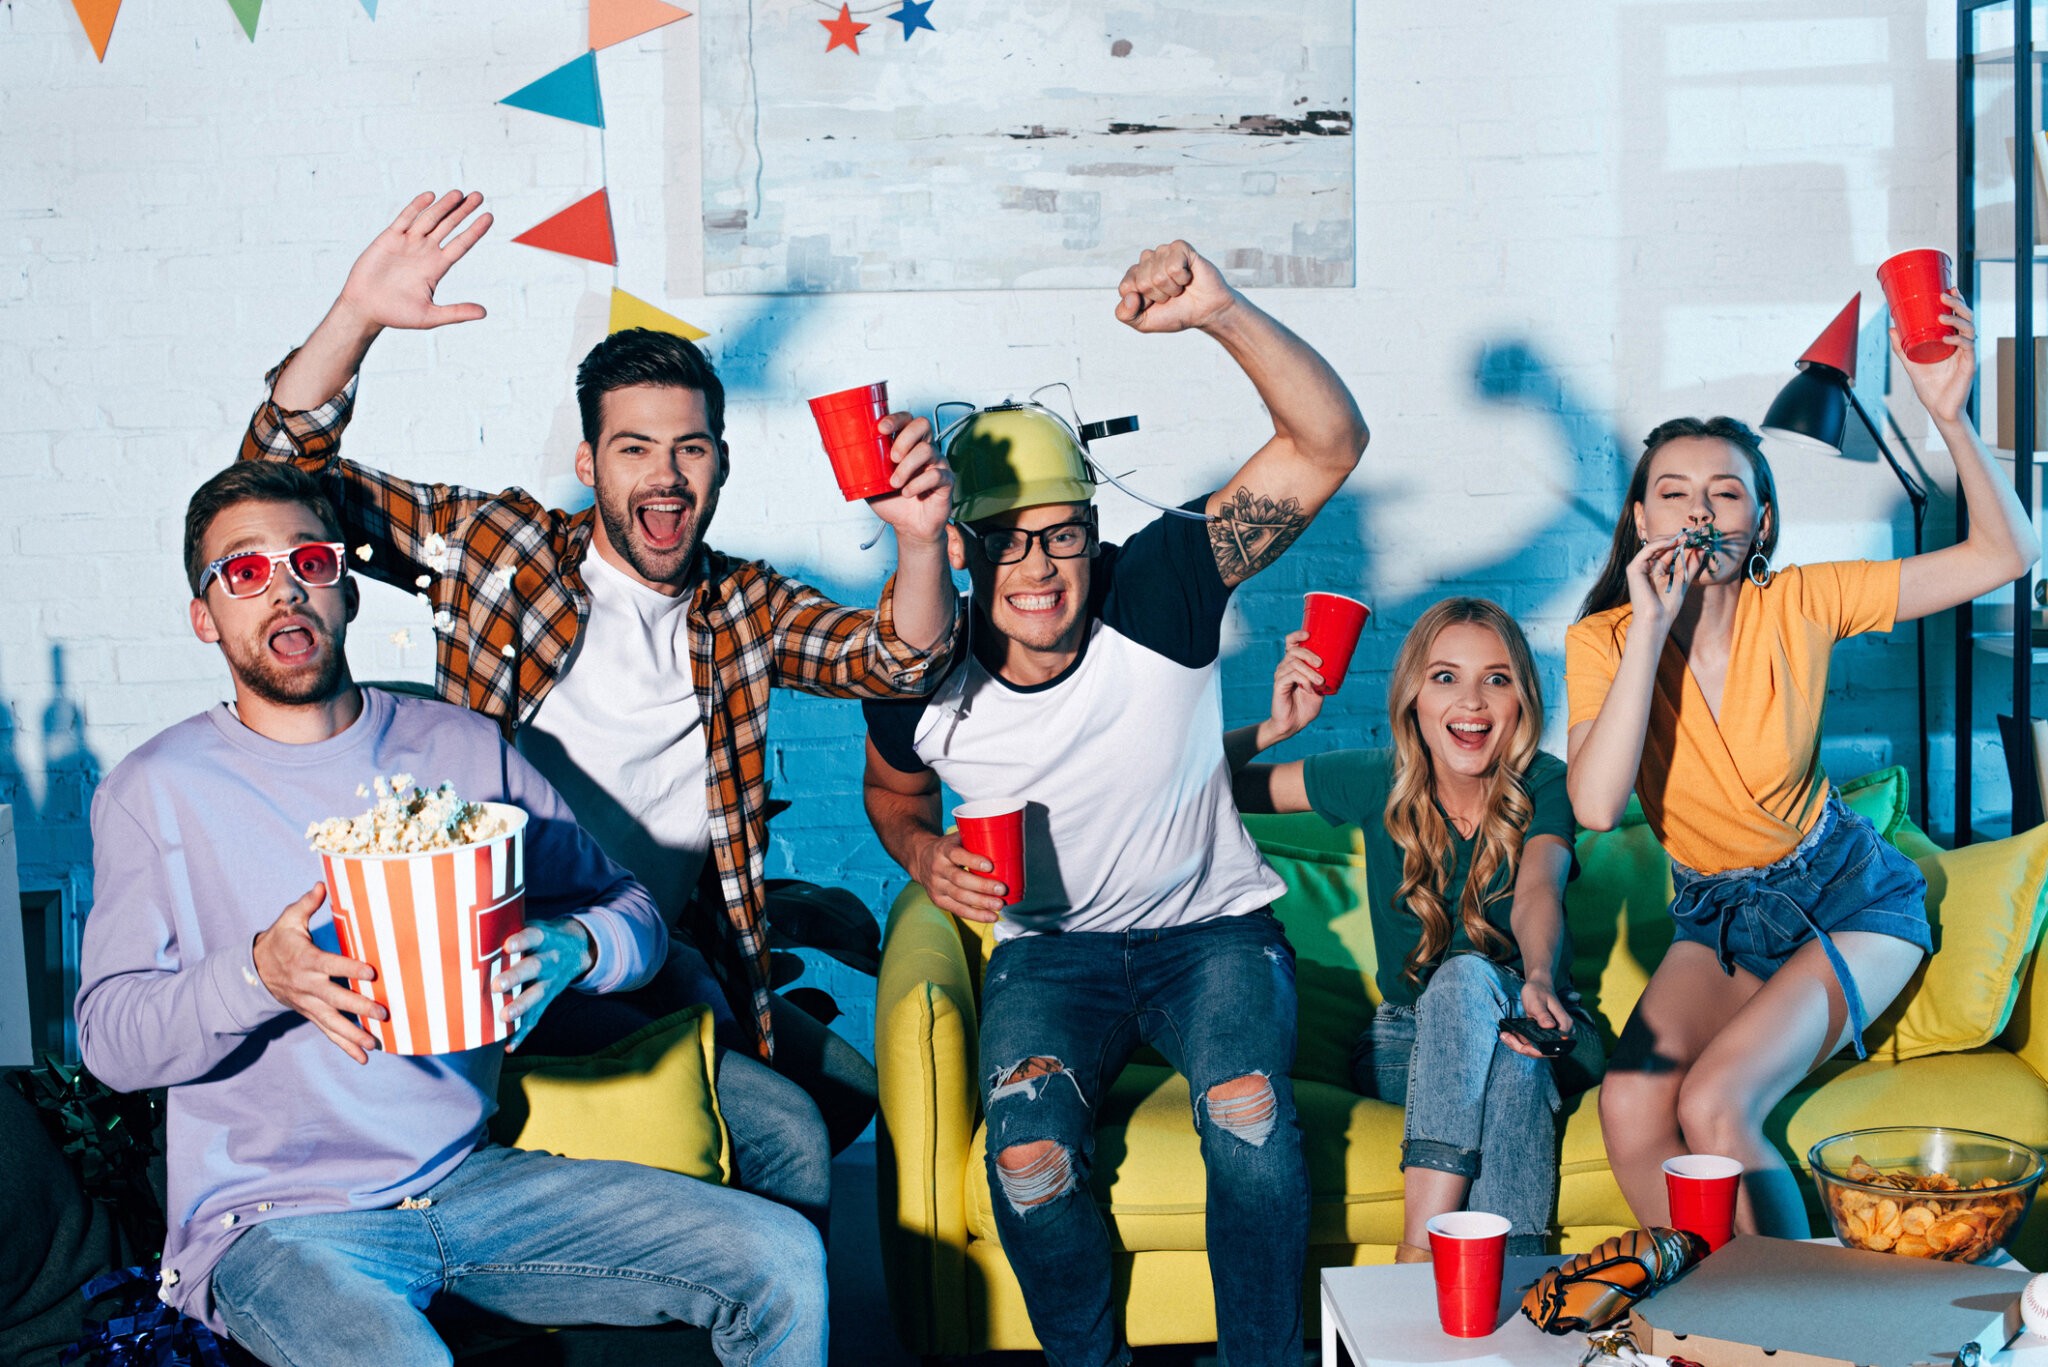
<point x="504" y="577"/>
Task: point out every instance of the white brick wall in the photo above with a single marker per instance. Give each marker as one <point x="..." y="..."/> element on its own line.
<point x="1662" y="203"/>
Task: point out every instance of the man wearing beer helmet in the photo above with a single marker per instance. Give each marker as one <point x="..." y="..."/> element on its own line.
<point x="1089" y="692"/>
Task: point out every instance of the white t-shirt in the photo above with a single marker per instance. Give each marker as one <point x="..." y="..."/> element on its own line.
<point x="1130" y="823"/>
<point x="621" y="736"/>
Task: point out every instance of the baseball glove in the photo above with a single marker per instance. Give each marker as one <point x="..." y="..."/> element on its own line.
<point x="1598" y="1287"/>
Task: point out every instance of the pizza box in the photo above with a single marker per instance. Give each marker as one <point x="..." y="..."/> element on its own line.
<point x="1762" y="1302"/>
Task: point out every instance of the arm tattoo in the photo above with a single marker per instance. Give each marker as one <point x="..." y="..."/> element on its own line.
<point x="1251" y="531"/>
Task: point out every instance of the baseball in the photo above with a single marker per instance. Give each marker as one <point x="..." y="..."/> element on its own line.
<point x="2034" y="1306"/>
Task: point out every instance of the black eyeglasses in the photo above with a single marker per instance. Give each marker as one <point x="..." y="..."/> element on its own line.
<point x="1062" y="541"/>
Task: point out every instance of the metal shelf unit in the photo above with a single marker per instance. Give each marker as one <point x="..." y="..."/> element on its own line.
<point x="2024" y="63"/>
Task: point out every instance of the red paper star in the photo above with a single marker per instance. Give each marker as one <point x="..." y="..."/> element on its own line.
<point x="845" y="32"/>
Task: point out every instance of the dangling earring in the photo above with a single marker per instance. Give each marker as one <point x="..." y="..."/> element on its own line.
<point x="1759" y="570"/>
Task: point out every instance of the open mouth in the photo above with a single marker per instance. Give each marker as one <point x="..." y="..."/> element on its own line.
<point x="662" y="522"/>
<point x="293" y="643"/>
<point x="1469" y="736"/>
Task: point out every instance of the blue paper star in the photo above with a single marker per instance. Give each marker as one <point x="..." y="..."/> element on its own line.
<point x="911" y="16"/>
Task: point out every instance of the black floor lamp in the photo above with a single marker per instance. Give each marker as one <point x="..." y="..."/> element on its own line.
<point x="1812" y="412"/>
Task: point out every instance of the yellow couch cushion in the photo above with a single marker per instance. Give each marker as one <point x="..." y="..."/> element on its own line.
<point x="1149" y="1179"/>
<point x="1986" y="905"/>
<point x="647" y="1099"/>
<point x="1982" y="1089"/>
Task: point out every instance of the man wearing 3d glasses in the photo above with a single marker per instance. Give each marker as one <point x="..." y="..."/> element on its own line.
<point x="1090" y="690"/>
<point x="635" y="662"/>
<point x="322" y="1192"/>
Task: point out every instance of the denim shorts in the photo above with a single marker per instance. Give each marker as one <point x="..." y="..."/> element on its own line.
<point x="1843" y="876"/>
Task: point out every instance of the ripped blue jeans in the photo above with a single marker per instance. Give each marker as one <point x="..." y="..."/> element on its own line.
<point x="1061" y="1015"/>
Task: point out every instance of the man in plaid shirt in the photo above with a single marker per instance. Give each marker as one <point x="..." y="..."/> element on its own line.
<point x="659" y="739"/>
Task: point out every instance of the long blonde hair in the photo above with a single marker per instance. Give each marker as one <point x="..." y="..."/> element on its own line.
<point x="1414" y="820"/>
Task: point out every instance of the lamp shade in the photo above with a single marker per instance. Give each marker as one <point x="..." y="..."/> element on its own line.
<point x="1812" y="410"/>
<point x="1835" y="348"/>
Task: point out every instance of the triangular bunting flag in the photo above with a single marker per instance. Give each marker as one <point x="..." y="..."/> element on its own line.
<point x="246" y="11"/>
<point x="98" y="18"/>
<point x="614" y="21"/>
<point x="583" y="229"/>
<point x="629" y="312"/>
<point x="371" y="6"/>
<point x="568" y="92"/>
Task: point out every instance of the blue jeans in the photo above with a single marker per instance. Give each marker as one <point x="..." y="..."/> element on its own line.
<point x="1061" y="1015"/>
<point x="1842" y="876"/>
<point x="1475" y="1107"/>
<point x="537" y="1239"/>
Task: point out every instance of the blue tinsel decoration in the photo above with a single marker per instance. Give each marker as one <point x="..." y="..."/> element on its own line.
<point x="140" y="1331"/>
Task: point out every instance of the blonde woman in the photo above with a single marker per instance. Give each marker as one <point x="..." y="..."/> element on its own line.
<point x="1697" y="674"/>
<point x="1468" y="844"/>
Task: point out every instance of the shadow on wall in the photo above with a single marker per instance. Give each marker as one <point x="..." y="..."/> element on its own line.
<point x="54" y="849"/>
<point x="1511" y="372"/>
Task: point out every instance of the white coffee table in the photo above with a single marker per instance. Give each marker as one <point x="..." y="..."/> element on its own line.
<point x="1386" y="1317"/>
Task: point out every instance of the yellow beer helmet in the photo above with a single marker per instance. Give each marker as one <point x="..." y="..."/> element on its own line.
<point x="1015" y="455"/>
<point x="1022" y="455"/>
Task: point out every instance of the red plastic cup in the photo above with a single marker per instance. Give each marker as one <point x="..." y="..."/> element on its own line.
<point x="1702" y="1190"/>
<point x="1468" y="1249"/>
<point x="994" y="829"/>
<point x="849" y="422"/>
<point x="1913" y="285"/>
<point x="1332" y="622"/>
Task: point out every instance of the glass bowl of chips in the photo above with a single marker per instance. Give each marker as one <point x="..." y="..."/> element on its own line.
<point x="1926" y="1191"/>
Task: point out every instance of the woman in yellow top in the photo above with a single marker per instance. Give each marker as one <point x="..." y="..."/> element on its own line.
<point x="1696" y="676"/>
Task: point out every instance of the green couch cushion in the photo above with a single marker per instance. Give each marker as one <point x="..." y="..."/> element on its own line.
<point x="1327" y="921"/>
<point x="1880" y="797"/>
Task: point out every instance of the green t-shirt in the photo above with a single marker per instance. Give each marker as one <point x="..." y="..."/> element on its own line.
<point x="1350" y="787"/>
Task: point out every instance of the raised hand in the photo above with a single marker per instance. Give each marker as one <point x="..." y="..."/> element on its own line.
<point x="924" y="484"/>
<point x="1172" y="288"/>
<point x="301" y="975"/>
<point x="1944" y="385"/>
<point x="392" y="283"/>
<point x="1295" y="700"/>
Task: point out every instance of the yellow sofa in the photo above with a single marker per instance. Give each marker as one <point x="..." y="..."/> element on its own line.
<point x="952" y="1291"/>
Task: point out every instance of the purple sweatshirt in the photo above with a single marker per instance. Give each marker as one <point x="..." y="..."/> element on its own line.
<point x="199" y="843"/>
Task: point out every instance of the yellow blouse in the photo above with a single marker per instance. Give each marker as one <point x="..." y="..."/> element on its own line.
<point x="1740" y="792"/>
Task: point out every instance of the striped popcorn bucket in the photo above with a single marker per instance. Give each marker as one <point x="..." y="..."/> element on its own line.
<point x="434" y="926"/>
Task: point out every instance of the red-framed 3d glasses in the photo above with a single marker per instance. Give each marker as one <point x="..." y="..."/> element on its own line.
<point x="244" y="574"/>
